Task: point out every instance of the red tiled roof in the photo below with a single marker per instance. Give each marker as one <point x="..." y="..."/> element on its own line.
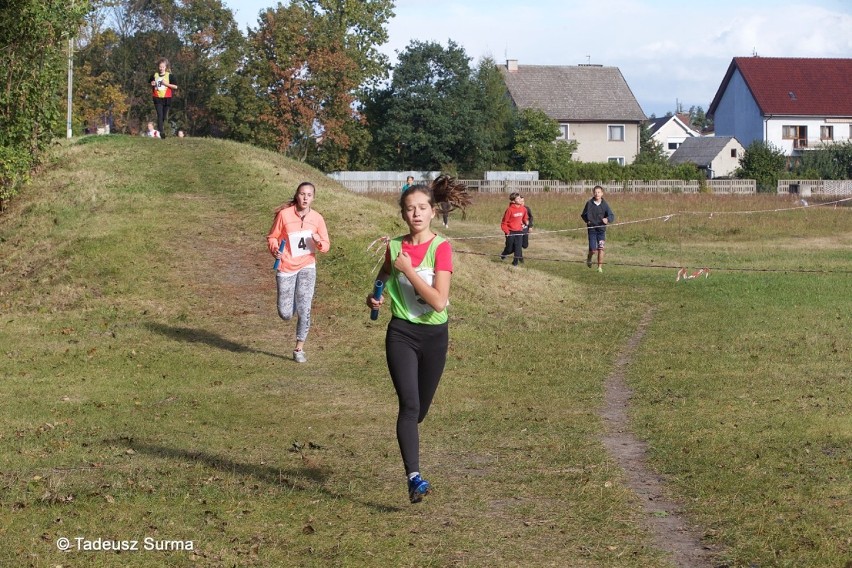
<point x="795" y="85"/>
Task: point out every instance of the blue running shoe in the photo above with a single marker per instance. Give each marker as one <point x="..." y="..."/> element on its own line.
<point x="417" y="488"/>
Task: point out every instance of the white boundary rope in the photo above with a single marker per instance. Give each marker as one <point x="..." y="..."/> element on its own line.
<point x="682" y="274"/>
<point x="667" y="217"/>
<point x="706" y="269"/>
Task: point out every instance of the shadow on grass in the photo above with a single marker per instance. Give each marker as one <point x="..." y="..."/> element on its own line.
<point x="190" y="335"/>
<point x="289" y="478"/>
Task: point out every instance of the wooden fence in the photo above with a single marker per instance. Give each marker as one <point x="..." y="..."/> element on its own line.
<point x="721" y="186"/>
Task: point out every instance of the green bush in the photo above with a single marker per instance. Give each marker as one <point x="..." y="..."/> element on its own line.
<point x="611" y="171"/>
<point x="35" y="37"/>
<point x="764" y="163"/>
<point x="15" y="164"/>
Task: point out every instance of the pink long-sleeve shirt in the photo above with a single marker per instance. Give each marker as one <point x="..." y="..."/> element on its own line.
<point x="301" y="248"/>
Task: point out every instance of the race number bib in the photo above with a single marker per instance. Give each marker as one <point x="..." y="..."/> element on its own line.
<point x="301" y="244"/>
<point x="414" y="304"/>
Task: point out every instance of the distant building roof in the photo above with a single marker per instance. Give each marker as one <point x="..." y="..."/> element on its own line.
<point x="655" y="124"/>
<point x="794" y="86"/>
<point x="681" y="119"/>
<point x="700" y="151"/>
<point x="581" y="93"/>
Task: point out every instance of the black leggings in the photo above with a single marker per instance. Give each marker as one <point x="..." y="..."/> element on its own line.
<point x="416" y="354"/>
<point x="162" y="106"/>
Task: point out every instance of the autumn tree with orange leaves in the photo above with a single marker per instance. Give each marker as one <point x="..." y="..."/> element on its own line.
<point x="306" y="62"/>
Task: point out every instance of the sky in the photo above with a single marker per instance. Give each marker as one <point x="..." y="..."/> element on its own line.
<point x="669" y="52"/>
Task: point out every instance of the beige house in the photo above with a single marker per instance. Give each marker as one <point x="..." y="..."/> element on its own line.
<point x="592" y="104"/>
<point x="717" y="156"/>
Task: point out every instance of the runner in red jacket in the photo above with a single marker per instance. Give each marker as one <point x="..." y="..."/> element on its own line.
<point x="515" y="220"/>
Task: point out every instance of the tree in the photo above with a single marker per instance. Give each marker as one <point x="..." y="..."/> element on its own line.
<point x="212" y="49"/>
<point x="698" y="119"/>
<point x="428" y="117"/>
<point x="498" y="118"/>
<point x="34" y="37"/>
<point x="830" y="161"/>
<point x="358" y="27"/>
<point x="199" y="37"/>
<point x="536" y="146"/>
<point x="306" y="62"/>
<point x="651" y="152"/>
<point x="98" y="100"/>
<point x="762" y="162"/>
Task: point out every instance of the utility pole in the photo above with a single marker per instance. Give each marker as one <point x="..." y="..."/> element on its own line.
<point x="68" y="131"/>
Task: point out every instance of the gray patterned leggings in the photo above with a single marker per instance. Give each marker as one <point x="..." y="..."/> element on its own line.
<point x="295" y="294"/>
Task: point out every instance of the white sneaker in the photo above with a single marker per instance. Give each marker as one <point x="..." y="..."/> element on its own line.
<point x="299" y="356"/>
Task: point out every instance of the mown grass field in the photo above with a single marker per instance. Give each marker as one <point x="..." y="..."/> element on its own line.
<point x="149" y="393"/>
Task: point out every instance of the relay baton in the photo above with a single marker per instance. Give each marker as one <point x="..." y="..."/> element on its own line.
<point x="280" y="249"/>
<point x="378" y="288"/>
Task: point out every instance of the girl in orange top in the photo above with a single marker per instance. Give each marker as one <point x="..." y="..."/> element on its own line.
<point x="304" y="233"/>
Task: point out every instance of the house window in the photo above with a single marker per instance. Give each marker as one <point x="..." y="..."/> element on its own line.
<point x="798" y="134"/>
<point x="563" y="132"/>
<point x="733" y="152"/>
<point x="673" y="145"/>
<point x="615" y="132"/>
<point x="617" y="159"/>
<point x="826" y="133"/>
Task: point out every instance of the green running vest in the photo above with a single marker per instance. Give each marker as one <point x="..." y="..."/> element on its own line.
<point x="405" y="303"/>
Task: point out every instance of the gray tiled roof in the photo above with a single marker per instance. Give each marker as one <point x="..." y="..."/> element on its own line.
<point x="573" y="93"/>
<point x="700" y="151"/>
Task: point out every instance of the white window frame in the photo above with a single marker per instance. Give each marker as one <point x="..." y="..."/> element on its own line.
<point x="617" y="159"/>
<point x="826" y="129"/>
<point x="609" y="132"/>
<point x="563" y="132"/>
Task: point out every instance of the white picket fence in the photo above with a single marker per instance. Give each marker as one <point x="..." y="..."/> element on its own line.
<point x="722" y="186"/>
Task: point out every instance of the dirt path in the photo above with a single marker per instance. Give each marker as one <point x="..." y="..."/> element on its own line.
<point x="671" y="530"/>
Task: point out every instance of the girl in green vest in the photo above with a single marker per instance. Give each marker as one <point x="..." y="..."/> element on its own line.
<point x="417" y="272"/>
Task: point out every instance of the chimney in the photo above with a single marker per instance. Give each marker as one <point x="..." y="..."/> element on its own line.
<point x="512" y="65"/>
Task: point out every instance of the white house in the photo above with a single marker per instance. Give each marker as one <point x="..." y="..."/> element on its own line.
<point x="717" y="156"/>
<point x="793" y="103"/>
<point x="592" y="104"/>
<point x="671" y="131"/>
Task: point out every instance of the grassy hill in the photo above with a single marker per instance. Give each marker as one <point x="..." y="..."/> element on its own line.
<point x="150" y="391"/>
